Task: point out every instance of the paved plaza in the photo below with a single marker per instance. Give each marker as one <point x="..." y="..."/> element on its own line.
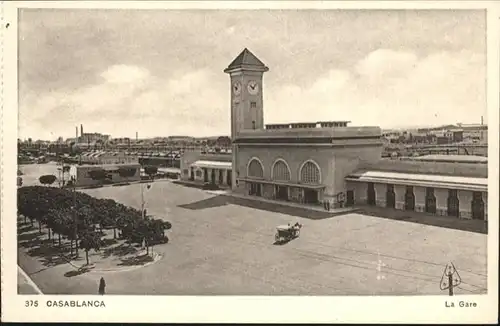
<point x="24" y="285"/>
<point x="221" y="245"/>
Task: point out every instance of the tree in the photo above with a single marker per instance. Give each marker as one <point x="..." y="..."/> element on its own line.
<point x="90" y="239"/>
<point x="56" y="221"/>
<point x="151" y="171"/>
<point x="98" y="175"/>
<point x="126" y="172"/>
<point x="75" y="215"/>
<point x="47" y="179"/>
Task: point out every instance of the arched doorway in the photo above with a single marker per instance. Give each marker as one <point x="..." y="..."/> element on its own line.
<point x="371" y="195"/>
<point x="409" y="199"/>
<point x="390" y="197"/>
<point x="255" y="171"/>
<point x="310" y="174"/>
<point x="430" y="201"/>
<point x="453" y="203"/>
<point x="477" y="206"/>
<point x="281" y="172"/>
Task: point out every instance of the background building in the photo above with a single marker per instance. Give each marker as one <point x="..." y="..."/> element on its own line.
<point x="114" y="174"/>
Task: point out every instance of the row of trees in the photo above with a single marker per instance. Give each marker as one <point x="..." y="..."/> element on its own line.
<point x="81" y="218"/>
<point x="100" y="174"/>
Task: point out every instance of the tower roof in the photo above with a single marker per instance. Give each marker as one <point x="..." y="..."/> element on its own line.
<point x="246" y="60"/>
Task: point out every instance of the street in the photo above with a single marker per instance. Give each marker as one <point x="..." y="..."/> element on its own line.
<point x="221" y="246"/>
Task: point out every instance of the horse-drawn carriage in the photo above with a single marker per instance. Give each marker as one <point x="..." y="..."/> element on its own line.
<point x="287" y="232"/>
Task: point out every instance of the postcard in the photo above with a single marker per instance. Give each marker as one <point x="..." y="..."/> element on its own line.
<point x="250" y="161"/>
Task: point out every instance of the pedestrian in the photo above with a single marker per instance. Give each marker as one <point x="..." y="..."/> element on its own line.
<point x="328" y="205"/>
<point x="102" y="286"/>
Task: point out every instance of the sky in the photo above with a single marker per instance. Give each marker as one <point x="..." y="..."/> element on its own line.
<point x="160" y="72"/>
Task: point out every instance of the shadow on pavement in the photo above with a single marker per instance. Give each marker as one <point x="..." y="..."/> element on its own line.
<point x="25" y="228"/>
<point x="283" y="209"/>
<point x="134" y="261"/>
<point x="50" y="253"/>
<point x="476" y="226"/>
<point x="221" y="200"/>
<point x="121" y="250"/>
<point x="108" y="242"/>
<point x="281" y="243"/>
<point x="216" y="201"/>
<point x="28" y="239"/>
<point x="76" y="272"/>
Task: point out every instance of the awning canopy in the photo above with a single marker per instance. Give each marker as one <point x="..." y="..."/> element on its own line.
<point x="213" y="165"/>
<point x="169" y="170"/>
<point x="283" y="183"/>
<point x="422" y="180"/>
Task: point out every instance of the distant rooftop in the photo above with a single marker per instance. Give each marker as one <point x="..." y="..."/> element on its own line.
<point x="452" y="158"/>
<point x="302" y="125"/>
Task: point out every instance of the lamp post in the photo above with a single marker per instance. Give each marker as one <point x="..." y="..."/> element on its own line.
<point x="75" y="224"/>
<point x="143" y="203"/>
<point x="143" y="213"/>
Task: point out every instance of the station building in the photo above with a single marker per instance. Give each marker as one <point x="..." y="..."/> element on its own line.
<point x="327" y="161"/>
<point x="82" y="174"/>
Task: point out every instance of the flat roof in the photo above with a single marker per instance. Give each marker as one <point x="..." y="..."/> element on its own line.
<point x="213" y="164"/>
<point x="453" y="158"/>
<point x="423" y="180"/>
<point x="430" y="168"/>
<point x="169" y="170"/>
<point x="103" y="166"/>
<point x="335" y="133"/>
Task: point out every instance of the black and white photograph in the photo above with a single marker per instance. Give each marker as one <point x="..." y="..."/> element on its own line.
<point x="326" y="152"/>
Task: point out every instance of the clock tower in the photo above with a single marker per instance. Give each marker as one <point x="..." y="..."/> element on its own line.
<point x="246" y="75"/>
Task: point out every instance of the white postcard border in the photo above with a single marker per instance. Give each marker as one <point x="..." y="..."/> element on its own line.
<point x="408" y="309"/>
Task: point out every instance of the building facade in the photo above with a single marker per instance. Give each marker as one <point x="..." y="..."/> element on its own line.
<point x="205" y="168"/>
<point x="82" y="174"/>
<point x="462" y="197"/>
<point x="304" y="162"/>
<point x="317" y="162"/>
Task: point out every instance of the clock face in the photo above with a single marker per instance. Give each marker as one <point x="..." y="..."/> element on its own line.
<point x="253" y="87"/>
<point x="237" y="88"/>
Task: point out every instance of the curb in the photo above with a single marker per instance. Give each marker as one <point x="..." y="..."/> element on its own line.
<point x="29" y="280"/>
<point x="119" y="270"/>
<point x="156" y="258"/>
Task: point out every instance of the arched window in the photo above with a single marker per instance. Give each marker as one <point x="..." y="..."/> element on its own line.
<point x="255" y="169"/>
<point x="309" y="173"/>
<point x="281" y="171"/>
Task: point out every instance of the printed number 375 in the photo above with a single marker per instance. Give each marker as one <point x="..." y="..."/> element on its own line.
<point x="31" y="303"/>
